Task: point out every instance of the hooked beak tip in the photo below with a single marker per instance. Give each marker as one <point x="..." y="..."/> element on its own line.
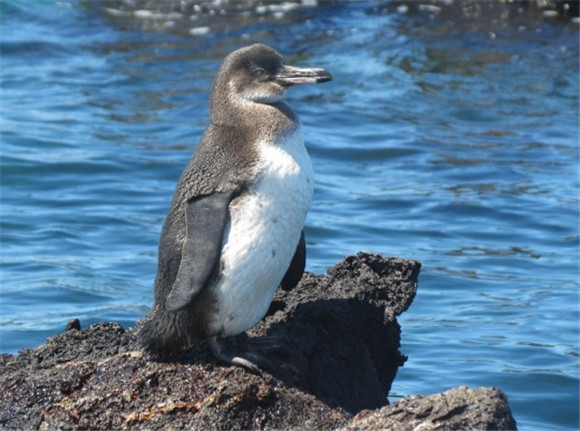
<point x="324" y="76"/>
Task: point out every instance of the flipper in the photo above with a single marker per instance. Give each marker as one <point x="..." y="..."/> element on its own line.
<point x="205" y="219"/>
<point x="296" y="268"/>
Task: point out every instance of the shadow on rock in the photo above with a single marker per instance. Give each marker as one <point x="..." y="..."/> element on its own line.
<point x="339" y="335"/>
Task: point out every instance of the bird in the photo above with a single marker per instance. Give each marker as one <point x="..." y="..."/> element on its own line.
<point x="234" y="232"/>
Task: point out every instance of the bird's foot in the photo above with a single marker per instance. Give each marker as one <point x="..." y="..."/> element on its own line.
<point x="222" y="353"/>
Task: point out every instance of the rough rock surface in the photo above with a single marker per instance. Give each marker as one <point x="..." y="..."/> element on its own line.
<point x="334" y="346"/>
<point x="457" y="409"/>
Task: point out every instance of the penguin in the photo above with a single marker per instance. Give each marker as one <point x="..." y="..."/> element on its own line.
<point x="234" y="230"/>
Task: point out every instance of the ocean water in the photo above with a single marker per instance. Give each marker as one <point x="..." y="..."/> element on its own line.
<point x="449" y="135"/>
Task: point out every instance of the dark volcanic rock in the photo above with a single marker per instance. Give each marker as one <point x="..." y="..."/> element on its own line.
<point x="457" y="409"/>
<point x="333" y="343"/>
<point x="342" y="332"/>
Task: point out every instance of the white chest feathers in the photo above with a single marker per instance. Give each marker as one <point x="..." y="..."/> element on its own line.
<point x="263" y="233"/>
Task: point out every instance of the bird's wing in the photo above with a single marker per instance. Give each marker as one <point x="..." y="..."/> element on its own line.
<point x="296" y="268"/>
<point x="205" y="219"/>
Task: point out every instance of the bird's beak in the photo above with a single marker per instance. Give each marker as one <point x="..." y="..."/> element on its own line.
<point x="290" y="75"/>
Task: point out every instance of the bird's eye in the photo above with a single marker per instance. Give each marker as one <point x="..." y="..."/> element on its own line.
<point x="260" y="71"/>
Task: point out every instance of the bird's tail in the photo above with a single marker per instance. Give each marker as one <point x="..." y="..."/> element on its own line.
<point x="162" y="333"/>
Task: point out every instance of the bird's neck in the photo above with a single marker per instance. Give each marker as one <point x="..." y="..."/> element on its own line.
<point x="274" y="119"/>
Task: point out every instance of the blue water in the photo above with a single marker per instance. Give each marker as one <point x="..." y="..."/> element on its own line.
<point x="449" y="136"/>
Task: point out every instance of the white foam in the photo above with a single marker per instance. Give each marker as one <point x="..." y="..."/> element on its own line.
<point x="199" y="31"/>
<point x="550" y="13"/>
<point x="147" y="14"/>
<point x="429" y="8"/>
